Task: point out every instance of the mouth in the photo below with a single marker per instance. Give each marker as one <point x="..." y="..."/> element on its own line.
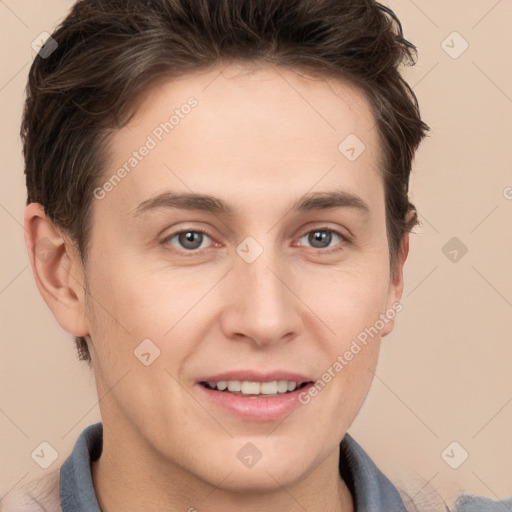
<point x="255" y="389"/>
<point x="253" y="396"/>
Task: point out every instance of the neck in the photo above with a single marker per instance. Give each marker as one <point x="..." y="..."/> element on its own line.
<point x="139" y="480"/>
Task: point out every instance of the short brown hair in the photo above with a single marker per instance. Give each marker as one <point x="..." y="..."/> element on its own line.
<point x="110" y="51"/>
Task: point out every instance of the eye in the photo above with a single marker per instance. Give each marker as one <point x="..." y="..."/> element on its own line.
<point x="322" y="237"/>
<point x="194" y="241"/>
<point x="189" y="239"/>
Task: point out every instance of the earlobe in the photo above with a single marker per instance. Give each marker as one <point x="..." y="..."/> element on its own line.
<point x="398" y="278"/>
<point x="57" y="271"/>
<point x="396" y="284"/>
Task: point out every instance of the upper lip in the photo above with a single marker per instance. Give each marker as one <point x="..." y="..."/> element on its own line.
<point x="257" y="376"/>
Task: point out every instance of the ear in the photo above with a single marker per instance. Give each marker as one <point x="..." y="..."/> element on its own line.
<point x="57" y="270"/>
<point x="396" y="286"/>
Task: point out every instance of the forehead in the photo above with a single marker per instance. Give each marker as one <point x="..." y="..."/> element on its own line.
<point x="253" y="126"/>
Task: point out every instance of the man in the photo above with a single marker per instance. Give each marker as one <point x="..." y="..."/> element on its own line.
<point x="220" y="189"/>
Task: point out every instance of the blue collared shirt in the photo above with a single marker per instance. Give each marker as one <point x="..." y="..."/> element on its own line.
<point x="371" y="490"/>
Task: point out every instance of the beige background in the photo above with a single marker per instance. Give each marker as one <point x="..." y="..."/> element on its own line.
<point x="444" y="373"/>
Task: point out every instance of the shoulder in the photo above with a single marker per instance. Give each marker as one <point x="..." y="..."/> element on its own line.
<point x="471" y="503"/>
<point x="419" y="495"/>
<point x="40" y="495"/>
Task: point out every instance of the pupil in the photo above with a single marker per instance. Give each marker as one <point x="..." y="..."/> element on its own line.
<point x="319" y="236"/>
<point x="187" y="239"/>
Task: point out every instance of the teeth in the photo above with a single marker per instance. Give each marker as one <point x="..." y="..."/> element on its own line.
<point x="233" y="385"/>
<point x="291" y="386"/>
<point x="246" y="387"/>
<point x="268" y="388"/>
<point x="250" y="388"/>
<point x="282" y="386"/>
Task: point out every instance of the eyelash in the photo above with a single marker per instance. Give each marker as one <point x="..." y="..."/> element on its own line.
<point x="196" y="252"/>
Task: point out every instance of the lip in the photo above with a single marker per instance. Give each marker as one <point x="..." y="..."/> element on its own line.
<point x="255" y="376"/>
<point x="254" y="409"/>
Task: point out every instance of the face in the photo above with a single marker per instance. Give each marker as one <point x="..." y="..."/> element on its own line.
<point x="267" y="284"/>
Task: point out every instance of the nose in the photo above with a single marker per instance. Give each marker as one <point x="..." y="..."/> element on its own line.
<point x="260" y="305"/>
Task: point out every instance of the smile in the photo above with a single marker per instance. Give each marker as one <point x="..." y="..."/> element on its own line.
<point x="254" y="389"/>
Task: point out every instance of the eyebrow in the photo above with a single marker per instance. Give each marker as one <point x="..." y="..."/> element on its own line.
<point x="207" y="203"/>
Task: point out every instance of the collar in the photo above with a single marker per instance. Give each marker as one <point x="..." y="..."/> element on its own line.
<point x="370" y="488"/>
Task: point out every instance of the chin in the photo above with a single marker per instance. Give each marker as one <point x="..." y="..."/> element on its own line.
<point x="262" y="479"/>
<point x="264" y="469"/>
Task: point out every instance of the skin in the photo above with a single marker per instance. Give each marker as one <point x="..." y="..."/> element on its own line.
<point x="259" y="138"/>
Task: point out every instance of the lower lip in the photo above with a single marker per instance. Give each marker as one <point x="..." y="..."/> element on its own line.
<point x="256" y="409"/>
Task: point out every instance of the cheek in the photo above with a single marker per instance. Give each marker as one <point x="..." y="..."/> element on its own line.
<point x="131" y="299"/>
<point x="139" y="309"/>
<point x="350" y="305"/>
<point x="348" y="300"/>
